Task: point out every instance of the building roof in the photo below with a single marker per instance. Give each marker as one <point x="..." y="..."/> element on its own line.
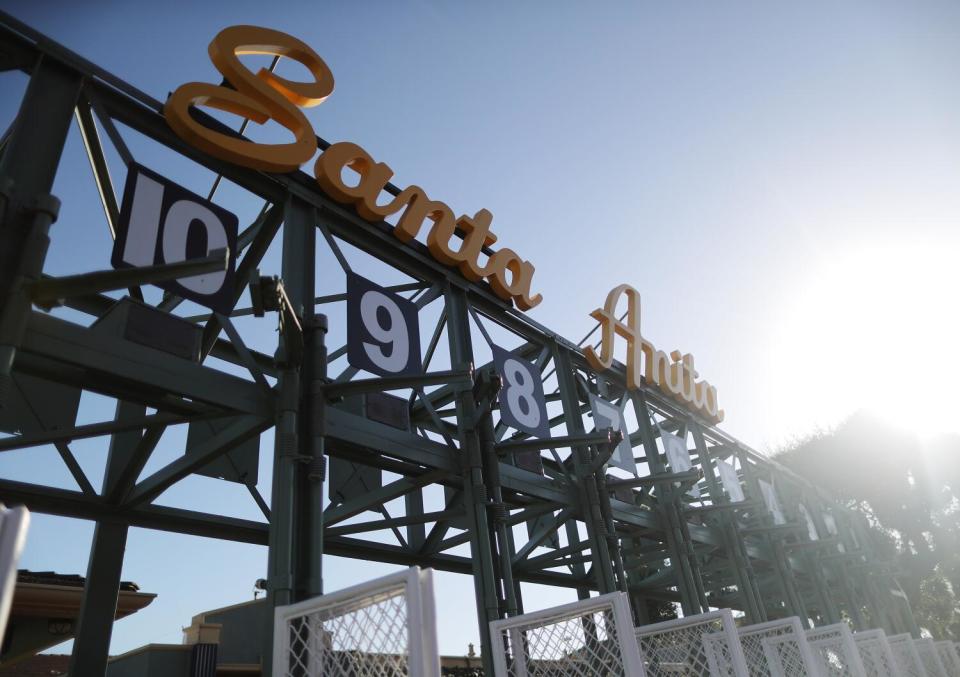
<point x="42" y="665"/>
<point x="53" y="578"/>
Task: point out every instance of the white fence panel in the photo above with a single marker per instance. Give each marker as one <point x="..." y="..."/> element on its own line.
<point x="706" y="645"/>
<point x="949" y="657"/>
<point x="13" y="536"/>
<point x="778" y="649"/>
<point x="384" y="628"/>
<point x="930" y="658"/>
<point x="835" y="650"/>
<point x="875" y="653"/>
<point x="906" y="655"/>
<point x="590" y="638"/>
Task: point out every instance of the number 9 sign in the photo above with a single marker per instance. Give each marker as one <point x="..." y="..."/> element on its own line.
<point x="522" y="404"/>
<point x="383" y="335"/>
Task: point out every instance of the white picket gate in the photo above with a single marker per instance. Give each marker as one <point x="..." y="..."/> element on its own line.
<point x="835" y="651"/>
<point x="949" y="657"/>
<point x="13" y="536"/>
<point x="777" y="648"/>
<point x="384" y="628"/>
<point x="930" y="658"/>
<point x="589" y="638"/>
<point x="706" y="645"/>
<point x="875" y="653"/>
<point x="906" y="655"/>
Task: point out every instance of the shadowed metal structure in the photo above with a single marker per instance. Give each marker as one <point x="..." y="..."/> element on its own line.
<point x="512" y="508"/>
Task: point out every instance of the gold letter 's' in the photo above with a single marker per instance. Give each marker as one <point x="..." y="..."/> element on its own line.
<point x="259" y="97"/>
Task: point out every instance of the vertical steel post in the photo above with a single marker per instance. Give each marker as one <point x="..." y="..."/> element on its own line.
<point x="781" y="563"/>
<point x="98" y="607"/>
<point x="27" y="170"/>
<point x="299" y="281"/>
<point x="474" y="487"/>
<point x="501" y="533"/>
<point x="296" y="529"/>
<point x="589" y="493"/>
<point x="746" y="578"/>
<point x="689" y="597"/>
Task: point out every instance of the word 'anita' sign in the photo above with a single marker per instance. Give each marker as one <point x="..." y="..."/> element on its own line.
<point x="265" y="96"/>
<point x="673" y="374"/>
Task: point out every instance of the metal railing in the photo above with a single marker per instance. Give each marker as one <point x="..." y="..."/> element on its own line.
<point x="384" y="628"/>
<point x="590" y="638"/>
<point x="930" y="658"/>
<point x="778" y="648"/>
<point x="704" y="645"/>
<point x="835" y="651"/>
<point x="878" y="660"/>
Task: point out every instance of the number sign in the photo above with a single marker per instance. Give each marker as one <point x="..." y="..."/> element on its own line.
<point x="162" y="222"/>
<point x="522" y="404"/>
<point x="383" y="334"/>
<point x="678" y="456"/>
<point x="730" y="481"/>
<point x="608" y="415"/>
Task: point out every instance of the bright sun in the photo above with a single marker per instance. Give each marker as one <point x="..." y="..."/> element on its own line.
<point x="876" y="328"/>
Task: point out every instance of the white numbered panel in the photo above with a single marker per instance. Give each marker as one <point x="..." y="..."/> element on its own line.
<point x="522" y="404"/>
<point x="609" y="415"/>
<point x="383" y="334"/>
<point x="162" y="222"/>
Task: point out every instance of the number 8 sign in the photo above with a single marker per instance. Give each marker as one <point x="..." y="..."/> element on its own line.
<point x="522" y="404"/>
<point x="383" y="334"/>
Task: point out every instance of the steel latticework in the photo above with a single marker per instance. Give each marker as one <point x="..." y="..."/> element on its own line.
<point x="411" y="469"/>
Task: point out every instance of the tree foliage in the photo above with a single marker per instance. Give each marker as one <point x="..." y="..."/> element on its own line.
<point x="909" y="487"/>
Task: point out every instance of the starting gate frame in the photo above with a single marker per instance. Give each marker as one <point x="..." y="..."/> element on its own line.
<point x="645" y="536"/>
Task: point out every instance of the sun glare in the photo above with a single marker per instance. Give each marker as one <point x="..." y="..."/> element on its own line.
<point x="876" y="328"/>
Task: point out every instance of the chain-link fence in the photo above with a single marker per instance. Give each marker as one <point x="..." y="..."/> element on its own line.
<point x="590" y="638"/>
<point x="705" y="645"/>
<point x="835" y="651"/>
<point x="930" y="658"/>
<point x="906" y="656"/>
<point x="949" y="657"/>
<point x="384" y="628"/>
<point x="875" y="653"/>
<point x="777" y="649"/>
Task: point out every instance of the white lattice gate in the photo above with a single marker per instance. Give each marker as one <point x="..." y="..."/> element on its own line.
<point x="777" y="649"/>
<point x="875" y="653"/>
<point x="706" y="645"/>
<point x="930" y="658"/>
<point x="835" y="651"/>
<point x="384" y="628"/>
<point x="949" y="657"/>
<point x="13" y="536"/>
<point x="590" y="638"/>
<point x="906" y="656"/>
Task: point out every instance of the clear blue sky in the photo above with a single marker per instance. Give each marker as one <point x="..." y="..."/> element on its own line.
<point x="779" y="180"/>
